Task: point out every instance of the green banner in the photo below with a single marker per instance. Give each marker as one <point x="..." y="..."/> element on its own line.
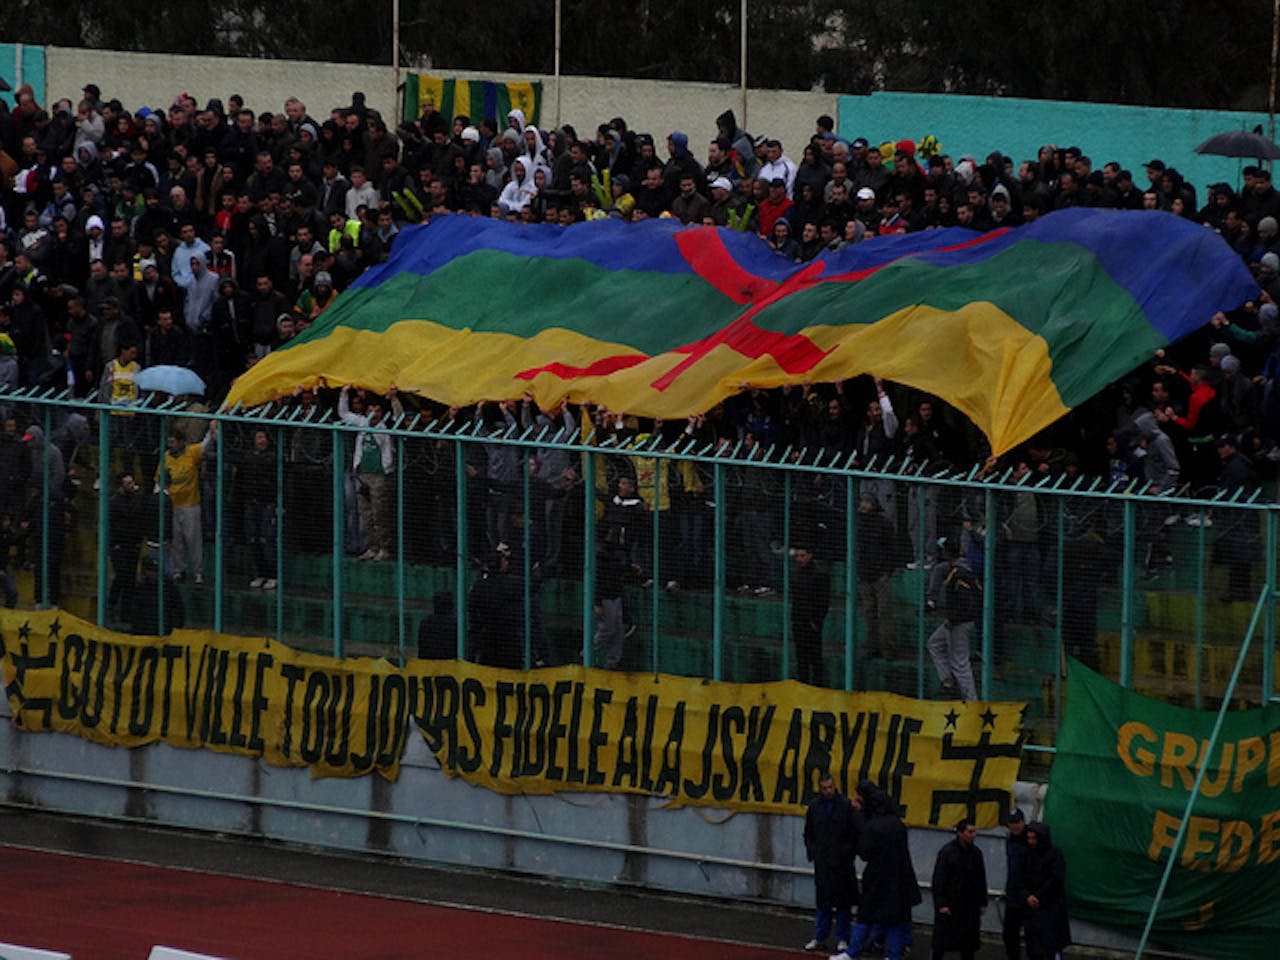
<point x="1124" y="768"/>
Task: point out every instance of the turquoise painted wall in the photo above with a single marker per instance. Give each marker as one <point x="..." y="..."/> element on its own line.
<point x="23" y="63"/>
<point x="1017" y="128"/>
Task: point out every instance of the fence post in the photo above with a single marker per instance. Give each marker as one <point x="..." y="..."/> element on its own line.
<point x="401" y="626"/>
<point x="1126" y="599"/>
<point x="988" y="592"/>
<point x="525" y="560"/>
<point x="339" y="531"/>
<point x="1269" y="612"/>
<point x="588" y="556"/>
<point x="278" y="526"/>
<point x="917" y="495"/>
<point x="45" y="508"/>
<point x="717" y="603"/>
<point x="160" y="499"/>
<point x="850" y="577"/>
<point x="104" y="516"/>
<point x="1057" y="616"/>
<point x="460" y="540"/>
<point x="219" y="526"/>
<point x="1200" y="585"/>
<point x="786" y="576"/>
<point x="655" y="573"/>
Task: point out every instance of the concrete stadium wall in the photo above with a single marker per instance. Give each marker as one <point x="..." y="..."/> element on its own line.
<point x="426" y="816"/>
<point x="153" y="80"/>
<point x="1018" y="128"/>
<point x="654" y="106"/>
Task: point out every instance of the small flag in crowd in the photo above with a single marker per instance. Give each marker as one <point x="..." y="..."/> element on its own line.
<point x="472" y="98"/>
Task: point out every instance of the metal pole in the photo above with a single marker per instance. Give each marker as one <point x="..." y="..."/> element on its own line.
<point x="988" y="593"/>
<point x="741" y="71"/>
<point x="786" y="577"/>
<point x="164" y="487"/>
<point x="1126" y="599"/>
<point x="717" y="603"/>
<point x="45" y="497"/>
<point x="1275" y="59"/>
<point x="655" y="572"/>
<point x="1265" y="599"/>
<point x="339" y="529"/>
<point x="850" y="578"/>
<point x="219" y="525"/>
<point x="1269" y="613"/>
<point x="460" y="541"/>
<point x="104" y="516"/>
<point x="401" y="626"/>
<point x="395" y="47"/>
<point x="525" y="562"/>
<point x="557" y="63"/>
<point x="588" y="551"/>
<point x="919" y="493"/>
<point x="1200" y="538"/>
<point x="279" y="529"/>
<point x="1057" y="675"/>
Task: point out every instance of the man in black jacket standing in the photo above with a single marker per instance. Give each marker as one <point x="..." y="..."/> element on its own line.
<point x="1015" y="891"/>
<point x="1048" y="926"/>
<point x="831" y="828"/>
<point x="810" y="599"/>
<point x="889" y="887"/>
<point x="959" y="894"/>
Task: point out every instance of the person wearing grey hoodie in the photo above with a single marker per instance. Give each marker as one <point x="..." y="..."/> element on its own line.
<point x="1160" y="469"/>
<point x="495" y="169"/>
<point x="1160" y="464"/>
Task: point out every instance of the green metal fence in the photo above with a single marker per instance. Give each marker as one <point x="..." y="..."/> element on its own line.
<point x="1129" y="583"/>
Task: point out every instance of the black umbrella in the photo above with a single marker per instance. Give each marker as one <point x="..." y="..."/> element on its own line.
<point x="1240" y="143"/>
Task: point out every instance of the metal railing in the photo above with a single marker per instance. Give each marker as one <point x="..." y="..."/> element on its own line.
<point x="1124" y="580"/>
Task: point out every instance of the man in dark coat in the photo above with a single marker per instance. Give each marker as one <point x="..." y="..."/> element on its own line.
<point x="1048" y="927"/>
<point x="831" y="827"/>
<point x="810" y="599"/>
<point x="438" y="633"/>
<point x="889" y="887"/>
<point x="959" y="894"/>
<point x="1236" y="545"/>
<point x="1016" y="855"/>
<point x="128" y="525"/>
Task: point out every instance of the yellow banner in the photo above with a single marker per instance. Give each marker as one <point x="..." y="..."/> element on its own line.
<point x="748" y="747"/>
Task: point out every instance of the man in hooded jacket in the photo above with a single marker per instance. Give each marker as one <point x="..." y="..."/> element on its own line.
<point x="682" y="164"/>
<point x="1048" y="927"/>
<point x="889" y="887"/>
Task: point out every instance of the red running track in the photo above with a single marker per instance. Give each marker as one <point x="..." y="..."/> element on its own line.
<point x="108" y="910"/>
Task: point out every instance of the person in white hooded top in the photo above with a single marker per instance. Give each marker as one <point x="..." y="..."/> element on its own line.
<point x="535" y="151"/>
<point x="520" y="191"/>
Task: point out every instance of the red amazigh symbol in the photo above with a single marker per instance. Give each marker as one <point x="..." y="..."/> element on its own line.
<point x="705" y="251"/>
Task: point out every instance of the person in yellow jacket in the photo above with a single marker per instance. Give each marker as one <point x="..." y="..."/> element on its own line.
<point x="179" y="477"/>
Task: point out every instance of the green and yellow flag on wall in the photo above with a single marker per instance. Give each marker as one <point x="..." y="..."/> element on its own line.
<point x="473" y="98"/>
<point x="1124" y="767"/>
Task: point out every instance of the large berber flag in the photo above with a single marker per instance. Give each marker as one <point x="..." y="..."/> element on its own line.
<point x="1013" y="327"/>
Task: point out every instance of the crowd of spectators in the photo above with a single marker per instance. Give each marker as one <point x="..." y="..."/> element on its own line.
<point x="207" y="236"/>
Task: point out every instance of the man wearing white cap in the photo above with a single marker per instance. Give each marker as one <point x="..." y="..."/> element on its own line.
<point x="721" y="191"/>
<point x="868" y="210"/>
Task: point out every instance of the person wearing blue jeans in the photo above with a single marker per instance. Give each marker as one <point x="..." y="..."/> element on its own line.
<point x="831" y="827"/>
<point x="889" y="887"/>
